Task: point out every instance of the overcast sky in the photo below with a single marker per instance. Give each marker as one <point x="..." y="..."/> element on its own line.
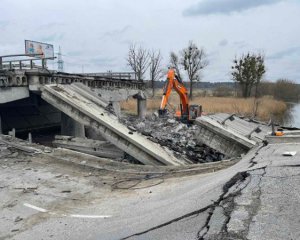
<point x="96" y="34"/>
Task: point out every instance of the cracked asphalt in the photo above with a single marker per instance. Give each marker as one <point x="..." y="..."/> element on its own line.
<point x="260" y="202"/>
<point x="257" y="198"/>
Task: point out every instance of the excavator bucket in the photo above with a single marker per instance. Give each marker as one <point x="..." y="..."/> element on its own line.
<point x="162" y="112"/>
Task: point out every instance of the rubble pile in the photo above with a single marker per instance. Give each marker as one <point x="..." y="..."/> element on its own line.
<point x="179" y="137"/>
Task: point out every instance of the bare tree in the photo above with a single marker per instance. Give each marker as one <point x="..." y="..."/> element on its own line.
<point x="174" y="61"/>
<point x="155" y="68"/>
<point x="193" y="60"/>
<point x="138" y="60"/>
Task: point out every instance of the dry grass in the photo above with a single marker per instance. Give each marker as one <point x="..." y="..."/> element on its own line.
<point x="266" y="107"/>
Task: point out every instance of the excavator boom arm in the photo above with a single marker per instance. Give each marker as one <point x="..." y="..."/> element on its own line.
<point x="183" y="94"/>
<point x="173" y="83"/>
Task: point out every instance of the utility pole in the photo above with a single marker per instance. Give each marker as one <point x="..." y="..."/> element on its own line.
<point x="60" y="62"/>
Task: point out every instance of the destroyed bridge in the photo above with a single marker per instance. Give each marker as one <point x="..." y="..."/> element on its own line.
<point x="88" y="105"/>
<point x="61" y="191"/>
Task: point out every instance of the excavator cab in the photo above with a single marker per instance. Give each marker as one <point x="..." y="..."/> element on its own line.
<point x="194" y="112"/>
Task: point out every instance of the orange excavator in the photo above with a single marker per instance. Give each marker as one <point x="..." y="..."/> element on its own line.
<point x="187" y="113"/>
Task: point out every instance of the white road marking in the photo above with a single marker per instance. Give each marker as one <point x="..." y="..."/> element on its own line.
<point x="64" y="215"/>
<point x="35" y="208"/>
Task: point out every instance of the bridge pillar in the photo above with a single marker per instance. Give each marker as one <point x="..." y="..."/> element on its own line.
<point x="90" y="133"/>
<point x="0" y="125"/>
<point x="142" y="108"/>
<point x="70" y="127"/>
<point x="117" y="108"/>
<point x="141" y="104"/>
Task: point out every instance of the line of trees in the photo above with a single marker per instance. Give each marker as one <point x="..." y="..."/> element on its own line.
<point x="190" y="60"/>
<point x="140" y="60"/>
<point x="283" y="89"/>
<point x="247" y="71"/>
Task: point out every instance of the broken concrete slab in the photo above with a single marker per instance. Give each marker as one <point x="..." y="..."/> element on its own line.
<point x="89" y="110"/>
<point x="89" y="146"/>
<point x="19" y="146"/>
<point x="222" y="138"/>
<point x="287" y="137"/>
<point x="242" y="126"/>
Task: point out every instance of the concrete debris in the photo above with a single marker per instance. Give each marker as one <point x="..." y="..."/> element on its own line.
<point x="18" y="146"/>
<point x="176" y="136"/>
<point x="14" y="155"/>
<point x="89" y="146"/>
<point x="10" y="204"/>
<point x="155" y="115"/>
<point x="47" y="150"/>
<point x="171" y="121"/>
<point x="132" y="128"/>
<point x="66" y="191"/>
<point x="18" y="219"/>
<point x="4" y="152"/>
<point x="292" y="153"/>
<point x="26" y="187"/>
<point x="141" y="125"/>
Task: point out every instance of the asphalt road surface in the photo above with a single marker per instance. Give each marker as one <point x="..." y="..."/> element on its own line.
<point x="257" y="198"/>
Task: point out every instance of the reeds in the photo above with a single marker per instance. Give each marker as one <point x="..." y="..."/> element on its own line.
<point x="261" y="108"/>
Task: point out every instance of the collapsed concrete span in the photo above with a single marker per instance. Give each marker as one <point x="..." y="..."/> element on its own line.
<point x="229" y="134"/>
<point x="83" y="105"/>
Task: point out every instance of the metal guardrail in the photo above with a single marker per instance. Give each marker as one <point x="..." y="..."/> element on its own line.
<point x="105" y="83"/>
<point x="107" y="80"/>
<point x="19" y="63"/>
<point x="113" y="75"/>
<point x="22" y="78"/>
